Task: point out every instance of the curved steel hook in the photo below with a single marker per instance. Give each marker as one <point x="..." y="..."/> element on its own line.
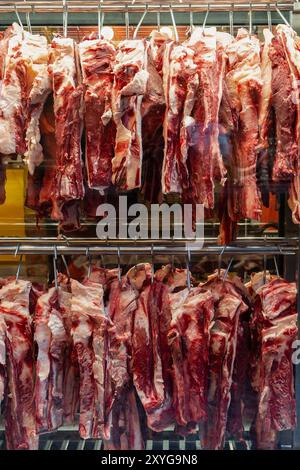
<point x="250" y="19"/>
<point x="188" y="272"/>
<point x="55" y="267"/>
<point x="231" y="24"/>
<point x="152" y="264"/>
<point x="127" y="22"/>
<point x="28" y="20"/>
<point x="220" y="260"/>
<point x="65" y="18"/>
<point x="20" y="262"/>
<point x="18" y="17"/>
<point x="174" y="24"/>
<point x="140" y="22"/>
<point x="119" y="266"/>
<point x="269" y="16"/>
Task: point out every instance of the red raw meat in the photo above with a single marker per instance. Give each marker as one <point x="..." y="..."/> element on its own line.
<point x="97" y="62"/>
<point x="20" y="424"/>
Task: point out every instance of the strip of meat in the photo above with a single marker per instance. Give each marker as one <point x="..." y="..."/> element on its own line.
<point x="158" y="41"/>
<point x="243" y="81"/>
<point x="97" y="61"/>
<point x="2" y="358"/>
<point x="285" y="84"/>
<point x="192" y="312"/>
<point x="89" y="323"/>
<point x="204" y="159"/>
<point x="68" y="109"/>
<point x="274" y="327"/>
<point x="20" y="422"/>
<point x="130" y="82"/>
<point x="51" y="338"/>
<point x="180" y="83"/>
<point x="222" y="352"/>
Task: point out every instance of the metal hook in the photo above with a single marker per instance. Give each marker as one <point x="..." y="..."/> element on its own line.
<point x="205" y="19"/>
<point x="227" y="269"/>
<point x="158" y="18"/>
<point x="55" y="267"/>
<point x="127" y="22"/>
<point x="188" y="273"/>
<point x="66" y="266"/>
<point x="87" y="252"/>
<point x="20" y="262"/>
<point x="18" y="17"/>
<point x="220" y="260"/>
<point x="28" y="20"/>
<point x="231" y="26"/>
<point x="140" y="22"/>
<point x="152" y="264"/>
<point x="281" y="16"/>
<point x="174" y="24"/>
<point x="99" y="20"/>
<point x="65" y="18"/>
<point x="191" y="19"/>
<point x="276" y="266"/>
<point x="269" y="16"/>
<point x="119" y="266"/>
<point x="250" y="19"/>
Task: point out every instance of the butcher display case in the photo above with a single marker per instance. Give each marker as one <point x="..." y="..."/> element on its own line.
<point x="149" y="225"/>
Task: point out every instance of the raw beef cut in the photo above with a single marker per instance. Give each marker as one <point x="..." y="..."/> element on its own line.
<point x="25" y="60"/>
<point x="152" y="372"/>
<point x="192" y="313"/>
<point x="2" y="358"/>
<point x="130" y="82"/>
<point x="180" y="83"/>
<point x="274" y="327"/>
<point x="243" y="87"/>
<point x="51" y="338"/>
<point x="200" y="127"/>
<point x="285" y="58"/>
<point x="68" y="109"/>
<point x="222" y="352"/>
<point x="158" y="40"/>
<point x="20" y="422"/>
<point x="153" y="109"/>
<point x="89" y="324"/>
<point x="97" y="62"/>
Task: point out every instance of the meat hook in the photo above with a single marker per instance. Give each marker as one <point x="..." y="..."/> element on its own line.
<point x="220" y="260"/>
<point x="20" y="262"/>
<point x="269" y="16"/>
<point x="55" y="267"/>
<point x="188" y="272"/>
<point x="140" y="22"/>
<point x="174" y="24"/>
<point x="191" y="19"/>
<point x="65" y="18"/>
<point x="89" y="261"/>
<point x="28" y="20"/>
<point x="119" y="265"/>
<point x="250" y="19"/>
<point x="152" y="264"/>
<point x="276" y="266"/>
<point x="205" y="20"/>
<point x="158" y="18"/>
<point x="127" y="22"/>
<point x="99" y="20"/>
<point x="227" y="269"/>
<point x="281" y="16"/>
<point x="231" y="27"/>
<point x="18" y="17"/>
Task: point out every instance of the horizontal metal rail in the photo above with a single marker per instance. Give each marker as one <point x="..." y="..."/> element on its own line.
<point x="137" y="6"/>
<point x="50" y="246"/>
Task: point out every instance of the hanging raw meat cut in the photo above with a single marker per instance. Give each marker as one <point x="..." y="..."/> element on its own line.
<point x="153" y="109"/>
<point x="274" y="326"/>
<point x="20" y="424"/>
<point x="2" y="358"/>
<point x="130" y="82"/>
<point x="192" y="313"/>
<point x="180" y="85"/>
<point x="67" y="184"/>
<point x="200" y="127"/>
<point x="97" y="62"/>
<point x="89" y="324"/>
<point x="158" y="40"/>
<point x="51" y="338"/>
<point x="243" y="90"/>
<point x="222" y="352"/>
